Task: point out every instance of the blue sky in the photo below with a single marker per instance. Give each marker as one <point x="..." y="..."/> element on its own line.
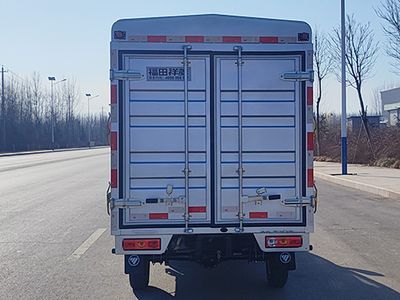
<point x="71" y="38"/>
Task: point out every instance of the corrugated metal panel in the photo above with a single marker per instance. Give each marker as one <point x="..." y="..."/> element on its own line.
<point x="270" y="133"/>
<point x="156" y="146"/>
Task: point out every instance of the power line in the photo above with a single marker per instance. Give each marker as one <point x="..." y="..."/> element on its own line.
<point x="12" y="72"/>
<point x="16" y="75"/>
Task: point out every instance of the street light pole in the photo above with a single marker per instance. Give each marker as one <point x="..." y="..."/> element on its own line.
<point x="89" y="97"/>
<point x="52" y="84"/>
<point x="344" y="114"/>
<point x="52" y="79"/>
<point x="3" y="108"/>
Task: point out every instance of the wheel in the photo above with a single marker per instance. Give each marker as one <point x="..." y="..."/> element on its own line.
<point x="277" y="274"/>
<point x="139" y="277"/>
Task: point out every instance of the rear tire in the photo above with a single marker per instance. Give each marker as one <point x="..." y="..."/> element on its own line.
<point x="277" y="275"/>
<point x="139" y="278"/>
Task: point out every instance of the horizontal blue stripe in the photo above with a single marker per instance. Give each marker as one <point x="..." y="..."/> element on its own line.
<point x="165" y="101"/>
<point x="203" y="162"/>
<point x="258" y="177"/>
<point x="166" y="126"/>
<point x="258" y="101"/>
<point x="170" y="90"/>
<point x="258" y="187"/>
<point x="252" y="116"/>
<point x="167" y="116"/>
<point x="167" y="152"/>
<point x="258" y="162"/>
<point x="253" y="126"/>
<point x="257" y="91"/>
<point x="166" y="162"/>
<point x="258" y="151"/>
<point x="166" y="177"/>
<point x="163" y="188"/>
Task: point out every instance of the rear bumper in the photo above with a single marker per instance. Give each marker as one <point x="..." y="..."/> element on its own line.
<point x="255" y="241"/>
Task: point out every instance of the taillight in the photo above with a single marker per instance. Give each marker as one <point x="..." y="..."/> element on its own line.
<point x="283" y="241"/>
<point x="141" y="244"/>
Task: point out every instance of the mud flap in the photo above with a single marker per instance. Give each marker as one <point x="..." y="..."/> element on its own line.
<point x="135" y="264"/>
<point x="282" y="259"/>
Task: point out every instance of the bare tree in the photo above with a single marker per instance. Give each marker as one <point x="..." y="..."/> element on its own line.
<point x="29" y="112"/>
<point x="60" y="106"/>
<point x="323" y="65"/>
<point x="36" y="84"/>
<point x="389" y="11"/>
<point x="361" y="54"/>
<point x="70" y="93"/>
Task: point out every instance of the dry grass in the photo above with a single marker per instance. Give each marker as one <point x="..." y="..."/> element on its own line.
<point x="384" y="151"/>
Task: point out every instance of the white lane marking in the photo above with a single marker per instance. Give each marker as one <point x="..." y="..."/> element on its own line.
<point x="87" y="243"/>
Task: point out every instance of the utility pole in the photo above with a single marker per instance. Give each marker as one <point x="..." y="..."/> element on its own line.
<point x="89" y="97"/>
<point x="3" y="108"/>
<point x="52" y="113"/>
<point x="344" y="114"/>
<point x="53" y="82"/>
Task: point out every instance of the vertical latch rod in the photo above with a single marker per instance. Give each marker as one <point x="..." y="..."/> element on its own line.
<point x="240" y="170"/>
<point x="186" y="171"/>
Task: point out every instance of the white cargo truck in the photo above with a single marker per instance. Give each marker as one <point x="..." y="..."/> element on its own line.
<point x="211" y="142"/>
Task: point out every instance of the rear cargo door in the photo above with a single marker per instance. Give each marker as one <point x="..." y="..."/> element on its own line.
<point x="271" y="138"/>
<point x="155" y="156"/>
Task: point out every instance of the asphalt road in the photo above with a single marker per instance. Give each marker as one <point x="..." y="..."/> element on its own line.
<point x="50" y="204"/>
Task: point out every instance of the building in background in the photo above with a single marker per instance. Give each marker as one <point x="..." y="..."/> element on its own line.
<point x="391" y="106"/>
<point x="355" y="122"/>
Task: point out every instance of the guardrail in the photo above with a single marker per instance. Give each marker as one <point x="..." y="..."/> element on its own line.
<point x="49" y="151"/>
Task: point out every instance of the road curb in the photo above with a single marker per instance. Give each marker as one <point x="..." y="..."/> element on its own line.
<point x="359" y="186"/>
<point x="48" y="151"/>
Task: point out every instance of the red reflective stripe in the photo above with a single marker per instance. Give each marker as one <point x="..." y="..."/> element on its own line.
<point x="156" y="38"/>
<point x="310" y="95"/>
<point x="114" y="178"/>
<point x="194" y="39"/>
<point x="310" y="177"/>
<point x="113" y="94"/>
<point x="269" y="39"/>
<point x="197" y="209"/>
<point x="113" y="141"/>
<point x="310" y="141"/>
<point x="214" y="39"/>
<point x="258" y="215"/>
<point x="231" y="39"/>
<point x="158" y="216"/>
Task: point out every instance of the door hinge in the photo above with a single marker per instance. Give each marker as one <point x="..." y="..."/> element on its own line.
<point x="126" y="75"/>
<point x="298" y="76"/>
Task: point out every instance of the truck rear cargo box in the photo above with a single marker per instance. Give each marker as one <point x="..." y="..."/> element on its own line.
<point x="211" y="140"/>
